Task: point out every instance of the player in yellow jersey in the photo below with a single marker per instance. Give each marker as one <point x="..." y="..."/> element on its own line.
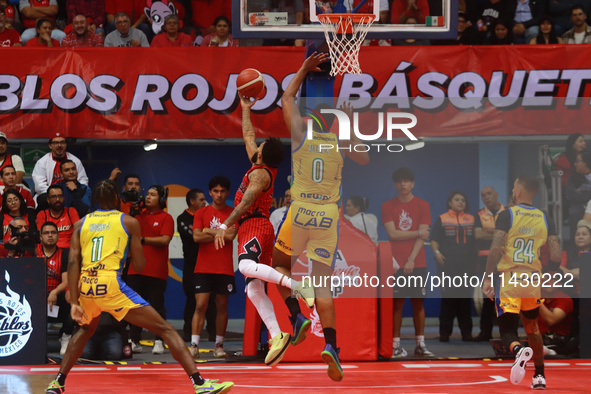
<point x="98" y="250"/>
<point x="312" y="220"/>
<point x="520" y="233"/>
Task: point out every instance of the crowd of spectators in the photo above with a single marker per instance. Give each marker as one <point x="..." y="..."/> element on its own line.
<point x="79" y="23"/>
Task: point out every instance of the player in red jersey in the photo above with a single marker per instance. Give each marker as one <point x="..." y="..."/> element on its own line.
<point x="255" y="234"/>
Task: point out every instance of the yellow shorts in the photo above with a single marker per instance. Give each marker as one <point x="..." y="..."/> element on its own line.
<point x="312" y="228"/>
<point x="517" y="291"/>
<point x="106" y="292"/>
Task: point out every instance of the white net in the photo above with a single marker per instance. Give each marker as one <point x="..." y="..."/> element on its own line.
<point x="344" y="37"/>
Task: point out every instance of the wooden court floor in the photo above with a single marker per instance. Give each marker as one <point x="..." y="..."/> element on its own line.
<point x="565" y="376"/>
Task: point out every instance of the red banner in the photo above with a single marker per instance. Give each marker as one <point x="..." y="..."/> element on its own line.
<point x="185" y="93"/>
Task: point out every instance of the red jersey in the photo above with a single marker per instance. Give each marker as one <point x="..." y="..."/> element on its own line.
<point x="8" y="38"/>
<point x="56" y="265"/>
<point x="210" y="260"/>
<point x="563" y="302"/>
<point x="262" y="205"/>
<point x="31" y="22"/>
<point x="64" y="222"/>
<point x="155" y="224"/>
<point x="407" y="216"/>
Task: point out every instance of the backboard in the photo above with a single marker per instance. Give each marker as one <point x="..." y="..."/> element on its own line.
<point x="292" y="19"/>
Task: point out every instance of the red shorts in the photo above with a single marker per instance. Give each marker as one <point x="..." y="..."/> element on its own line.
<point x="255" y="240"/>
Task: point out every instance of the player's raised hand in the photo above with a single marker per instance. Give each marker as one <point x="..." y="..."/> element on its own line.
<point x="78" y="314"/>
<point x="312" y="62"/>
<point x="246" y="102"/>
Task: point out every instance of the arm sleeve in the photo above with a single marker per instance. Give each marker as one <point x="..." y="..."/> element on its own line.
<point x="504" y="221"/>
<point x="65" y="254"/>
<point x="437" y="231"/>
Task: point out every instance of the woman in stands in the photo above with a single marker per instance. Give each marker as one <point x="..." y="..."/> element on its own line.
<point x="170" y="36"/>
<point x="547" y="34"/>
<point x="366" y="222"/>
<point x="43" y="38"/>
<point x="222" y="36"/>
<point x="502" y="33"/>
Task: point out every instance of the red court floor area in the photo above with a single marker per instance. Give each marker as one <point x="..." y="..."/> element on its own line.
<point x="568" y="376"/>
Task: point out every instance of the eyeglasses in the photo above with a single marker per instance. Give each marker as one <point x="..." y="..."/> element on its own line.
<point x="58" y="197"/>
<point x="59" y="143"/>
<point x="12" y="200"/>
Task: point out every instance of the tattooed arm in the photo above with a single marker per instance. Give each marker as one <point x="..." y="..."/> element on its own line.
<point x="259" y="181"/>
<point x="247" y="127"/>
<point x="492" y="260"/>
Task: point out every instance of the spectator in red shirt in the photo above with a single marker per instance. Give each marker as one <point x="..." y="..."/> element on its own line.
<point x="134" y="9"/>
<point x="34" y="10"/>
<point x="56" y="262"/>
<point x="214" y="270"/>
<point x="63" y="217"/>
<point x="43" y="38"/>
<point x="8" y="37"/>
<point x="170" y="36"/>
<point x="221" y="37"/>
<point x="92" y="9"/>
<point x="8" y="176"/>
<point x="157" y="230"/>
<point x="403" y="9"/>
<point x="81" y="35"/>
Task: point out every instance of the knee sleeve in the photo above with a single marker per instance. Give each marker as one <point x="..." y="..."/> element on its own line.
<point x="508" y="324"/>
<point x="247" y="267"/>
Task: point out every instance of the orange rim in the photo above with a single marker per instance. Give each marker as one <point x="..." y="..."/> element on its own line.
<point x="346" y="28"/>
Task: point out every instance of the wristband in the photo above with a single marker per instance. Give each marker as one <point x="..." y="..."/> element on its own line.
<point x="223" y="226"/>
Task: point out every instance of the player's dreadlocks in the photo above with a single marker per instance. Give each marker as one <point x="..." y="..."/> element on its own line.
<point x="105" y="195"/>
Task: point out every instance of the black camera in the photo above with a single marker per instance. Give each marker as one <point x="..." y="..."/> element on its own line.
<point x="138" y="207"/>
<point x="133" y="196"/>
<point x="26" y="241"/>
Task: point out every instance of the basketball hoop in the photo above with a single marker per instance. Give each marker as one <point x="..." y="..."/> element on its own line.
<point x="344" y="35"/>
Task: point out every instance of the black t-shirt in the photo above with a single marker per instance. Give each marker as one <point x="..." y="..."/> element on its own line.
<point x="185" y="228"/>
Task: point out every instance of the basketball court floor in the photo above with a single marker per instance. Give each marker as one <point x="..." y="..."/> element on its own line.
<point x="564" y="376"/>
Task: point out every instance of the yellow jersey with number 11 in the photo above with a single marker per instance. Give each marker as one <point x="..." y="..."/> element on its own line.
<point x="526" y="236"/>
<point x="317" y="168"/>
<point x="104" y="241"/>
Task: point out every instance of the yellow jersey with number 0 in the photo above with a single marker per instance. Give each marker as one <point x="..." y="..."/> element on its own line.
<point x="526" y="236"/>
<point x="104" y="241"/>
<point x="317" y="168"/>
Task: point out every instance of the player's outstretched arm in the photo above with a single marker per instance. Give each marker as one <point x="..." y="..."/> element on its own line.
<point x="136" y="251"/>
<point x="287" y="100"/>
<point x="247" y="128"/>
<point x="259" y="181"/>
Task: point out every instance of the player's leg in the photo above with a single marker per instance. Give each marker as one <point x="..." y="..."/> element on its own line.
<point x="418" y="310"/>
<point x="398" y="304"/>
<point x="201" y="301"/>
<point x="73" y="352"/>
<point x="529" y="319"/>
<point x="255" y="290"/>
<point x="148" y="318"/>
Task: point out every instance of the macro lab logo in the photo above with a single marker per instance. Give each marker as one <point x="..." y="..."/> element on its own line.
<point x="15" y="321"/>
<point x="387" y="122"/>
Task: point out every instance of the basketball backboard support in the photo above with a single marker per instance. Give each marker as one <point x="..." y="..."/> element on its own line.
<point x="292" y="19"/>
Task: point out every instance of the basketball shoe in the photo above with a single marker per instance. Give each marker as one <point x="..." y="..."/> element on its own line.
<point x="277" y="347"/>
<point x="538" y="382"/>
<point x="305" y="292"/>
<point x="55" y="388"/>
<point x="518" y="369"/>
<point x="330" y="356"/>
<point x="211" y="387"/>
<point x="301" y="325"/>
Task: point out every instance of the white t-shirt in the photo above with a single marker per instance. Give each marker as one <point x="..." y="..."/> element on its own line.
<point x="17" y="163"/>
<point x="579" y="37"/>
<point x="366" y="222"/>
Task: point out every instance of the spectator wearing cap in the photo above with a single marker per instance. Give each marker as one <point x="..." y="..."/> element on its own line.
<point x="81" y="35"/>
<point x="47" y="170"/>
<point x="8" y="37"/>
<point x="6" y="159"/>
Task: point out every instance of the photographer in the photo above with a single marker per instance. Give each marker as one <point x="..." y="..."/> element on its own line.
<point x="13" y="206"/>
<point x="56" y="263"/>
<point x="132" y="201"/>
<point x="21" y="242"/>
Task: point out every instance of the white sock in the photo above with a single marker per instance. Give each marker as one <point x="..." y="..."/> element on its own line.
<point x="251" y="269"/>
<point x="420" y="340"/>
<point x="286" y="281"/>
<point x="396" y="341"/>
<point x="256" y="293"/>
<point x="219" y="339"/>
<point x="195" y="339"/>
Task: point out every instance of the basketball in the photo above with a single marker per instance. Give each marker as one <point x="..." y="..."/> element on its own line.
<point x="250" y="83"/>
